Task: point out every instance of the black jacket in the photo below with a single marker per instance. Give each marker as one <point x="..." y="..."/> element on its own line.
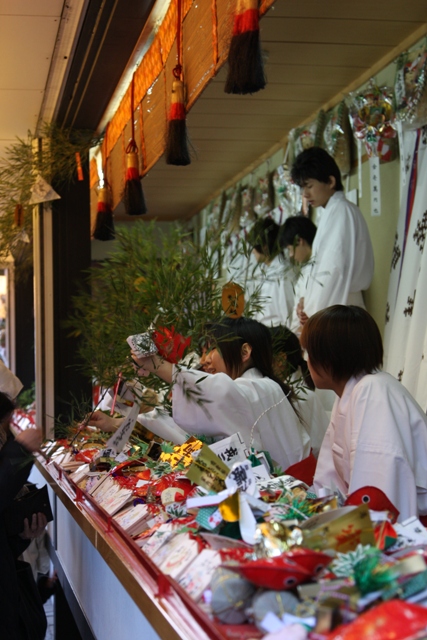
<point x="15" y="466"/>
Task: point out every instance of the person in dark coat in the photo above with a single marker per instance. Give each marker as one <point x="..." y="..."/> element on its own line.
<point x="15" y="465"/>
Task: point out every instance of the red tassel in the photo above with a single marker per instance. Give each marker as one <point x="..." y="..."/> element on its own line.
<point x="245" y="64"/>
<point x="104" y="226"/>
<point x="133" y="195"/>
<point x="177" y="140"/>
<point x="246" y="21"/>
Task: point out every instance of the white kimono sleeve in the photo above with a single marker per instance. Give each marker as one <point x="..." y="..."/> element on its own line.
<point x="163" y="425"/>
<point x="254" y="405"/>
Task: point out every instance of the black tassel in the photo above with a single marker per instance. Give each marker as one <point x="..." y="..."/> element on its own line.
<point x="245" y="64"/>
<point x="177" y="140"/>
<point x="133" y="194"/>
<point x="104" y="225"/>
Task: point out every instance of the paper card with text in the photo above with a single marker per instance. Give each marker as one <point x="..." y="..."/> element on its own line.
<point x="208" y="470"/>
<point x="118" y="440"/>
<point x="164" y="533"/>
<point x="231" y="449"/>
<point x="283" y="483"/>
<point x="241" y="478"/>
<point x="261" y="474"/>
<point x="197" y="577"/>
<point x="410" y="532"/>
<point x="178" y="553"/>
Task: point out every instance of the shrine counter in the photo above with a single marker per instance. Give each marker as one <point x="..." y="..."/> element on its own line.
<point x="113" y="589"/>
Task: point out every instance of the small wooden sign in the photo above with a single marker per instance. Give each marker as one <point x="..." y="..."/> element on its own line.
<point x="233" y="300"/>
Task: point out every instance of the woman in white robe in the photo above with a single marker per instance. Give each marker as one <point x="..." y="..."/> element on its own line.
<point x="274" y="284"/>
<point x="290" y="366"/>
<point x="378" y="433"/>
<point x="237" y="391"/>
<point x="342" y="262"/>
<point x="274" y="278"/>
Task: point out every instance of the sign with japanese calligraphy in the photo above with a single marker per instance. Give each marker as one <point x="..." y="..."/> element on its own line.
<point x="374" y="164"/>
<point x="230" y="450"/>
<point x="208" y="470"/>
<point x="241" y="478"/>
<point x="118" y="440"/>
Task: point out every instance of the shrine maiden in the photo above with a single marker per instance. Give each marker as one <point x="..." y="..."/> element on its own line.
<point x="273" y="280"/>
<point x="237" y="391"/>
<point x="290" y="366"/>
<point x="342" y="262"/>
<point x="377" y="435"/>
<point x="297" y="236"/>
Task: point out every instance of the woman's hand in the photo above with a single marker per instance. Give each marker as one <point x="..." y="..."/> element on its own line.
<point x="36" y="528"/>
<point x="31" y="439"/>
<point x="104" y="422"/>
<point x="153" y="364"/>
<point x="145" y="365"/>
<point x="302" y="316"/>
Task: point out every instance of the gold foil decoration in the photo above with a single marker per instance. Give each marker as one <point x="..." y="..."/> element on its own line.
<point x="182" y="453"/>
<point x="229" y="508"/>
<point x="208" y="470"/>
<point x="342" y="529"/>
<point x="322" y="505"/>
<point x="274" y="538"/>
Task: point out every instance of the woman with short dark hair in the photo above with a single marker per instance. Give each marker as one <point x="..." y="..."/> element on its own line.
<point x="377" y="435"/>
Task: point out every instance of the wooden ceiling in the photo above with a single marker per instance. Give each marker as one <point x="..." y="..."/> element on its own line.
<point x="315" y="53"/>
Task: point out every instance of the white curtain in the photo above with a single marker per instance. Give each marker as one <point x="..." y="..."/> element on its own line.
<point x="405" y="339"/>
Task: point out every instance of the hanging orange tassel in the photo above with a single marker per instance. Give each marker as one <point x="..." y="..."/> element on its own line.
<point x="245" y="64"/>
<point x="80" y="175"/>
